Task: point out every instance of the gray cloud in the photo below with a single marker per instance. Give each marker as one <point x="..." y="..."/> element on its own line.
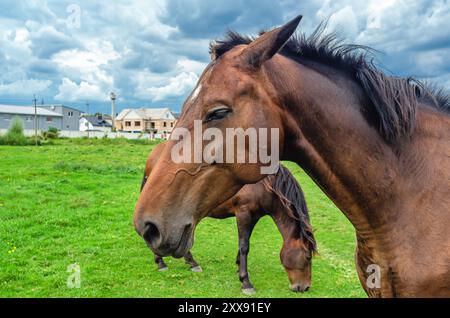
<point x="48" y="41"/>
<point x="42" y="68"/>
<point x="141" y="49"/>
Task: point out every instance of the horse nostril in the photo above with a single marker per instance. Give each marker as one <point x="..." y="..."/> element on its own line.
<point x="152" y="234"/>
<point x="187" y="229"/>
<point x="299" y="288"/>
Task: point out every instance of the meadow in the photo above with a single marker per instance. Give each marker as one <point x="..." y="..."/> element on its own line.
<point x="71" y="202"/>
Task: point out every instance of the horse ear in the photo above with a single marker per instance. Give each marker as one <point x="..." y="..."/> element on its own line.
<point x="269" y="43"/>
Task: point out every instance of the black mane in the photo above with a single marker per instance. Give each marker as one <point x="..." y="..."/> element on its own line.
<point x="393" y="99"/>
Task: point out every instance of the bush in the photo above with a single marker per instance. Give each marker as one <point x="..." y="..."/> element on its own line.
<point x="16" y="127"/>
<point x="53" y="130"/>
<point x="15" y="136"/>
<point x="52" y="133"/>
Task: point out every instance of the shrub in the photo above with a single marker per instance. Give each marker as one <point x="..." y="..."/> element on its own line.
<point x="15" y="136"/>
<point x="16" y="127"/>
<point x="52" y="133"/>
<point x="53" y="130"/>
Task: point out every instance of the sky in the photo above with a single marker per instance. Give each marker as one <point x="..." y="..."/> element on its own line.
<point x="151" y="53"/>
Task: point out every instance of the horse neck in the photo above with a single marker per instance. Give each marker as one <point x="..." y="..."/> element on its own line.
<point x="391" y="194"/>
<point x="333" y="142"/>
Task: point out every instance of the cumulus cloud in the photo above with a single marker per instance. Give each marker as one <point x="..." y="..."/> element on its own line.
<point x="187" y="65"/>
<point x="90" y="67"/>
<point x="88" y="63"/>
<point x="71" y="91"/>
<point x="175" y="85"/>
<point x="344" y="22"/>
<point x="178" y="85"/>
<point x="46" y="41"/>
<point x="24" y="87"/>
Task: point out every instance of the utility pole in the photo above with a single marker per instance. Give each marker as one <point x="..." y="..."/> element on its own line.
<point x="113" y="110"/>
<point x="87" y="115"/>
<point x="35" y="120"/>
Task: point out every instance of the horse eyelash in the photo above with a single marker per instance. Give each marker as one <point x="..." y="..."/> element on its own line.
<point x="225" y="110"/>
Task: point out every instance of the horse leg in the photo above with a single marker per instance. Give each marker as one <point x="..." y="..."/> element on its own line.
<point x="160" y="262"/>
<point x="191" y="261"/>
<point x="245" y="224"/>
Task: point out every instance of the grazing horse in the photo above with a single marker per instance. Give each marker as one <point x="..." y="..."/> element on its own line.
<point x="279" y="196"/>
<point x="377" y="145"/>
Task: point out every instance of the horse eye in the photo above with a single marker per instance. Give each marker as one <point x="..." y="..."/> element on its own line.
<point x="217" y="114"/>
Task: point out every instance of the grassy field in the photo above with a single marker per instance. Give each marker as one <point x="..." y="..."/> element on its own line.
<point x="72" y="202"/>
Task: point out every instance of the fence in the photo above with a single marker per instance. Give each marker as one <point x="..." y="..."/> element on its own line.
<point x="97" y="134"/>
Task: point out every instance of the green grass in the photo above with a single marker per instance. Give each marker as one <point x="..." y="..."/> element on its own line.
<point x="72" y="202"/>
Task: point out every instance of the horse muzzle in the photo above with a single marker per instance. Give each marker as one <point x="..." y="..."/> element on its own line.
<point x="297" y="287"/>
<point x="168" y="242"/>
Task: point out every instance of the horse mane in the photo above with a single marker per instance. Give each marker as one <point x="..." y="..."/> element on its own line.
<point x="394" y="100"/>
<point x="284" y="185"/>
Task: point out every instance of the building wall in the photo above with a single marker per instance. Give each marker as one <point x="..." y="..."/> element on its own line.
<point x="70" y="119"/>
<point x="134" y="124"/>
<point x="71" y="116"/>
<point x="163" y="125"/>
<point x="155" y="125"/>
<point x="103" y="129"/>
<point x="85" y="125"/>
<point x="28" y="121"/>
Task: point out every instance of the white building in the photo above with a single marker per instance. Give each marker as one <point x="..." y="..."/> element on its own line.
<point x="94" y="123"/>
<point x="153" y="120"/>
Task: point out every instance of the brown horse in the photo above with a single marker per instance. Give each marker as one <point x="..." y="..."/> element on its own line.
<point x="279" y="196"/>
<point x="378" y="146"/>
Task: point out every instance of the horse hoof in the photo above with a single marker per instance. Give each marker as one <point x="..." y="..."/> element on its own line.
<point x="196" y="269"/>
<point x="163" y="269"/>
<point x="248" y="291"/>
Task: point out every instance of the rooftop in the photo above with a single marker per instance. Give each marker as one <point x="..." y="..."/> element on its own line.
<point x="27" y="110"/>
<point x="59" y="105"/>
<point x="97" y="121"/>
<point x="154" y="113"/>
